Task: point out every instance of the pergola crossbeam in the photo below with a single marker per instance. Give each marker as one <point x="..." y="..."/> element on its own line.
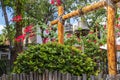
<point x="83" y="10"/>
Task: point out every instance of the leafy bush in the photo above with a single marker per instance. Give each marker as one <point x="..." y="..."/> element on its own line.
<point x="53" y="56"/>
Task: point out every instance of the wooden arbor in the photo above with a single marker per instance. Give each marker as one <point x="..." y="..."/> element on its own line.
<point x="110" y="23"/>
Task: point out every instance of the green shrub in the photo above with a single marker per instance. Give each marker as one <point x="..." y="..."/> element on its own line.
<point x="53" y="56"/>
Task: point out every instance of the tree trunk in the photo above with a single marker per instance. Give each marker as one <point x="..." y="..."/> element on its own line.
<point x="5" y="13"/>
<point x="18" y="45"/>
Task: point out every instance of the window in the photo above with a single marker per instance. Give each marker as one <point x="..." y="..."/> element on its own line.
<point x="4" y="56"/>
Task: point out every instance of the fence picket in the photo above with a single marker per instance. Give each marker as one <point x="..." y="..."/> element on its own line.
<point x="118" y="76"/>
<point x="104" y="76"/>
<point x="68" y="76"/>
<point x="92" y="77"/>
<point x="37" y="76"/>
<point x="3" y="77"/>
<point x="72" y="77"/>
<point x="63" y="76"/>
<point x="28" y="77"/>
<point x="34" y="76"/>
<point x="43" y="76"/>
<point x="7" y="77"/>
<point x="46" y="75"/>
<point x="24" y="76"/>
<point x="84" y="77"/>
<point x="59" y="76"/>
<point x="99" y="76"/>
<point x="40" y="77"/>
<point x="13" y="76"/>
<point x="50" y="75"/>
<point x="31" y="76"/>
<point x="10" y="77"/>
<point x="56" y="76"/>
<point x="18" y="76"/>
<point x="79" y="78"/>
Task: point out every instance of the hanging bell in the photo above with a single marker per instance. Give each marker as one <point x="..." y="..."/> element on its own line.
<point x="81" y="28"/>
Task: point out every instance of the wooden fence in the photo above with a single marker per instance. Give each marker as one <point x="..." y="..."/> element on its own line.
<point x="55" y="76"/>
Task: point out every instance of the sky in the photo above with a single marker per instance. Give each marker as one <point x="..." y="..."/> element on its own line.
<point x="2" y="21"/>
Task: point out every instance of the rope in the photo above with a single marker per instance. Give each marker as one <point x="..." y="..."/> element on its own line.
<point x="81" y="12"/>
<point x="110" y="3"/>
<point x="60" y="19"/>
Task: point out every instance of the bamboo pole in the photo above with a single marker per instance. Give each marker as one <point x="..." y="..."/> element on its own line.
<point x="111" y="50"/>
<point x="60" y="25"/>
<point x="84" y="10"/>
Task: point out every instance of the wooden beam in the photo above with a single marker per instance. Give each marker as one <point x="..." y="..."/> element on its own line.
<point x="111" y="50"/>
<point x="84" y="10"/>
<point x="60" y="25"/>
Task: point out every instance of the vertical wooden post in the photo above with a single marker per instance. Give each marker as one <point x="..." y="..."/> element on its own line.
<point x="60" y="25"/>
<point x="112" y="66"/>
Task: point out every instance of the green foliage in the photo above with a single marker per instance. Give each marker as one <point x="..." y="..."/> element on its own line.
<point x="9" y="35"/>
<point x="90" y="45"/>
<point x="53" y="56"/>
<point x="3" y="66"/>
<point x="2" y="39"/>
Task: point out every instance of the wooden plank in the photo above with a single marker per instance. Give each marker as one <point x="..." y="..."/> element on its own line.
<point x="55" y="75"/>
<point x="99" y="76"/>
<point x="84" y="10"/>
<point x="37" y="76"/>
<point x="92" y="77"/>
<point x="43" y="76"/>
<point x="68" y="76"/>
<point x="34" y="74"/>
<point x="3" y="77"/>
<point x="40" y="77"/>
<point x="59" y="76"/>
<point x="111" y="50"/>
<point x="50" y="75"/>
<point x="46" y="75"/>
<point x="7" y="77"/>
<point x="109" y="77"/>
<point x="24" y="76"/>
<point x="13" y="76"/>
<point x="118" y="76"/>
<point x="104" y="76"/>
<point x="60" y="26"/>
<point x="18" y="76"/>
<point x="84" y="76"/>
<point x="10" y="77"/>
<point x="74" y="77"/>
<point x="31" y="76"/>
<point x="28" y="77"/>
<point x="63" y="76"/>
<point x="79" y="78"/>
